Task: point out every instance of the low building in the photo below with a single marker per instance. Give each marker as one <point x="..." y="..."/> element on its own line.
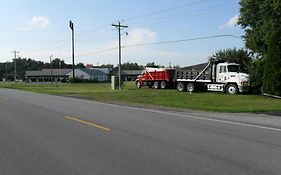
<point x="46" y="74"/>
<point x="66" y="74"/>
<point x="128" y="75"/>
<point x="96" y="74"/>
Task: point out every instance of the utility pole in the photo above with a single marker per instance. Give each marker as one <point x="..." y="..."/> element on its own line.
<point x="119" y="27"/>
<point x="6" y="71"/>
<point x="51" y="69"/>
<point x="15" y="61"/>
<point x="73" y="65"/>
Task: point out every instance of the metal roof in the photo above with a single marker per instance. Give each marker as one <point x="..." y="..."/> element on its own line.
<point x="93" y="71"/>
<point x="47" y="72"/>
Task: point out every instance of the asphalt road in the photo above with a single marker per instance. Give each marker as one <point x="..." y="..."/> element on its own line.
<point x="51" y="135"/>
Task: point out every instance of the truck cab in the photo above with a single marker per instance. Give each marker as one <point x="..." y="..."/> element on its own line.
<point x="230" y="75"/>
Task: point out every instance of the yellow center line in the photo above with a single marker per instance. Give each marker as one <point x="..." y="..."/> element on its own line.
<point x="3" y="97"/>
<point x="87" y="123"/>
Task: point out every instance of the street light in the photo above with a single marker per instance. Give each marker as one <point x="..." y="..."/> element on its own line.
<point x="51" y="69"/>
<point x="71" y="25"/>
<point x="6" y="71"/>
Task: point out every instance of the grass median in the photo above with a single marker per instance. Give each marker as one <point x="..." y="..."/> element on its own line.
<point x="216" y="102"/>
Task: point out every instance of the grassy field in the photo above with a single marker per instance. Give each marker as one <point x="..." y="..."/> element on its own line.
<point x="217" y="102"/>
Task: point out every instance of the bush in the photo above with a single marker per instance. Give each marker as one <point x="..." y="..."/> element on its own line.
<point x="79" y="80"/>
<point x="272" y="70"/>
<point x="256" y="70"/>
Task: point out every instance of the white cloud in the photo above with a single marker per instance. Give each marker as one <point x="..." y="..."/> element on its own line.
<point x="135" y="36"/>
<point x="230" y="23"/>
<point x="38" y="22"/>
<point x="140" y="35"/>
<point x="143" y="54"/>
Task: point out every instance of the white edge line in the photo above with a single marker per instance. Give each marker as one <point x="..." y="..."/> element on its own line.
<point x="213" y="120"/>
<point x="184" y="115"/>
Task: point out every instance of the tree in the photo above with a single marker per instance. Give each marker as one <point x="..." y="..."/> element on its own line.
<point x="152" y="64"/>
<point x="262" y="23"/>
<point x="130" y="66"/>
<point x="241" y="56"/>
<point x="80" y="65"/>
<point x="272" y="71"/>
<point x="107" y="66"/>
<point x="58" y="64"/>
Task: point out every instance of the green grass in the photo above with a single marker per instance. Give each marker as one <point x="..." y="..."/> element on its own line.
<point x="217" y="102"/>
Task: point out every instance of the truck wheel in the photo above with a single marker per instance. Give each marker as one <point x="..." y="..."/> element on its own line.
<point x="156" y="85"/>
<point x="232" y="89"/>
<point x="150" y="85"/>
<point x="180" y="87"/>
<point x="190" y="87"/>
<point x="163" y="84"/>
<point x="138" y="84"/>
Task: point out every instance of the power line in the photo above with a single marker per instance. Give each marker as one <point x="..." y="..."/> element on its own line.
<point x="193" y="13"/>
<point x="97" y="52"/>
<point x="181" y="40"/>
<point x="165" y="10"/>
<point x="92" y="30"/>
<point x="182" y="6"/>
<point x="160" y="43"/>
<point x="174" y="19"/>
<point x="97" y="39"/>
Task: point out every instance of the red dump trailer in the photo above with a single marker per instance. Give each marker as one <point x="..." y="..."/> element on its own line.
<point x="156" y="78"/>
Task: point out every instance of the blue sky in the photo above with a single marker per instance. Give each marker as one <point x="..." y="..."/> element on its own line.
<point x="38" y="29"/>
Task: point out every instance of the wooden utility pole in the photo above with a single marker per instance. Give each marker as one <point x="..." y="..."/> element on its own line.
<point x="15" y="61"/>
<point x="119" y="27"/>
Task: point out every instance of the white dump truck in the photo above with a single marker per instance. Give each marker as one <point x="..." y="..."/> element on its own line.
<point x="212" y="76"/>
<point x="216" y="76"/>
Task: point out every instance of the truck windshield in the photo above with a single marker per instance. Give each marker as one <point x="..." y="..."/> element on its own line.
<point x="233" y="68"/>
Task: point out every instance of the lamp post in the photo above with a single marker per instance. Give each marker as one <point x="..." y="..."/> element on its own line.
<point x="71" y="25"/>
<point x="51" y="69"/>
<point x="7" y="71"/>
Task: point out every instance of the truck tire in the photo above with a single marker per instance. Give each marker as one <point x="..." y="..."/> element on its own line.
<point x="163" y="84"/>
<point x="150" y="85"/>
<point x="138" y="84"/>
<point x="156" y="85"/>
<point x="190" y="87"/>
<point x="232" y="89"/>
<point x="180" y="87"/>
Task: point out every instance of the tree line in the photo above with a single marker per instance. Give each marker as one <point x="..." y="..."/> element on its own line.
<point x="7" y="69"/>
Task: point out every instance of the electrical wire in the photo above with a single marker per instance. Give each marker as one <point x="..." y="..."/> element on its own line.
<point x="181" y="40"/>
<point x="160" y="43"/>
<point x="183" y="17"/>
<point x="165" y="10"/>
<point x="186" y="14"/>
<point x="97" y="52"/>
